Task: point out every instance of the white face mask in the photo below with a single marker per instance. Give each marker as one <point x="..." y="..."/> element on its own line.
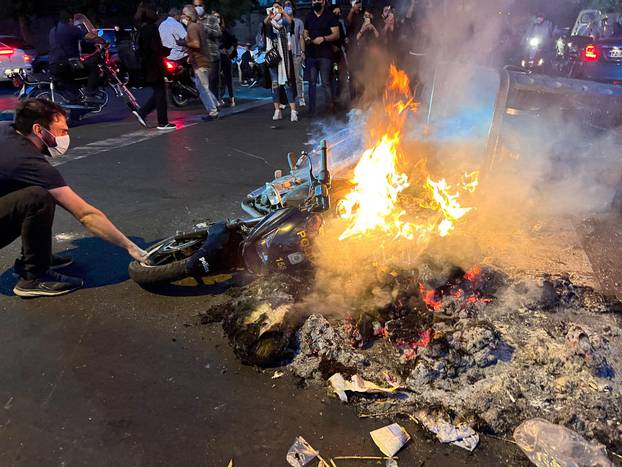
<point x="61" y="147"/>
<point x="185" y="21"/>
<point x="200" y="10"/>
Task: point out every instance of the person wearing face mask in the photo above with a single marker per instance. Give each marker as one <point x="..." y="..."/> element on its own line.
<point x="196" y="42"/>
<point x="321" y="31"/>
<point x="213" y="36"/>
<point x="30" y="189"/>
<point x="277" y="27"/>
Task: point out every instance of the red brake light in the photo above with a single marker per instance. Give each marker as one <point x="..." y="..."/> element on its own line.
<point x="27" y="58"/>
<point x="591" y="53"/>
<point x="6" y="51"/>
<point x="169" y="65"/>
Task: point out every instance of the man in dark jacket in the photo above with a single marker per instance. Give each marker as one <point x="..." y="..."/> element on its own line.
<point x="153" y="54"/>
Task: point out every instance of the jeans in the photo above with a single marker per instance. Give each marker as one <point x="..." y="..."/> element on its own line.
<point x="157" y="101"/>
<point x="203" y="85"/>
<point x="274" y="76"/>
<point x="28" y="213"/>
<point x="319" y="66"/>
<point x="300" y="84"/>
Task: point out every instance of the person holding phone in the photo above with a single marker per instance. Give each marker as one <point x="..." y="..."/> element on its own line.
<point x="277" y="25"/>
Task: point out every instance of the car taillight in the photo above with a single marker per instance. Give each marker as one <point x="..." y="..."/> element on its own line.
<point x="591" y="53"/>
<point x="6" y="51"/>
<point x="27" y="58"/>
<point x="170" y="65"/>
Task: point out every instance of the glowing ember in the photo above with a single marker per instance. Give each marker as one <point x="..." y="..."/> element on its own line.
<point x="373" y="203"/>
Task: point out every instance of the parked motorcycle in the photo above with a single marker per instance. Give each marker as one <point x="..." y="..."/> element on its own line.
<point x="180" y="79"/>
<point x="280" y="240"/>
<point x="72" y="96"/>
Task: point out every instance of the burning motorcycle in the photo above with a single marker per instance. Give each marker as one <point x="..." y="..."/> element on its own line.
<point x="72" y="96"/>
<point x="280" y="240"/>
<point x="180" y="79"/>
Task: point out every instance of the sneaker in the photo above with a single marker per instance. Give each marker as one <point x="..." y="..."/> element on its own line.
<point x="232" y="102"/>
<point x="140" y="119"/>
<point x="166" y="127"/>
<point x="282" y="106"/>
<point x="213" y="114"/>
<point x="245" y="84"/>
<point x="278" y="115"/>
<point x="221" y="103"/>
<point x="253" y="83"/>
<point x="59" y="262"/>
<point x="49" y="284"/>
<point x="302" y="103"/>
<point x="294" y="116"/>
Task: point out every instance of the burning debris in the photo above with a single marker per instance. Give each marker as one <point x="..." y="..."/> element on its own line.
<point x="403" y="329"/>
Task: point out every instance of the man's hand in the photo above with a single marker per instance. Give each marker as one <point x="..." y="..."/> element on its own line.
<point x="137" y="253"/>
<point x="318" y="40"/>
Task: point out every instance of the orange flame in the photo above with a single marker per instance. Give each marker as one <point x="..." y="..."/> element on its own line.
<point x="373" y="203"/>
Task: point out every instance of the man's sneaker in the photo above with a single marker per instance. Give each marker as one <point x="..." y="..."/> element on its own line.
<point x="302" y="103"/>
<point x="140" y="119"/>
<point x="278" y="115"/>
<point x="244" y="84"/>
<point x="49" y="284"/>
<point x="221" y="103"/>
<point x="294" y="116"/>
<point x="60" y="262"/>
<point x="253" y="83"/>
<point x="282" y="106"/>
<point x="232" y="102"/>
<point x="168" y="126"/>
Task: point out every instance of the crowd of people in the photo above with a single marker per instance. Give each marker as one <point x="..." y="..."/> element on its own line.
<point x="333" y="46"/>
<point x="328" y="47"/>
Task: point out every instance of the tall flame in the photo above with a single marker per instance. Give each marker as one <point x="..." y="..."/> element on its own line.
<point x="372" y="205"/>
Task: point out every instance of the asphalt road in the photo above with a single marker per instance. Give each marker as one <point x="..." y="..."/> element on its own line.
<point x="113" y="375"/>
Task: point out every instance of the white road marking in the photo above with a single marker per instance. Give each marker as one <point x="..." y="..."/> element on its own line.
<point x="144" y="134"/>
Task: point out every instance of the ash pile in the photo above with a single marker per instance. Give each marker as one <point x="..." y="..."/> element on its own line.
<point x="475" y="347"/>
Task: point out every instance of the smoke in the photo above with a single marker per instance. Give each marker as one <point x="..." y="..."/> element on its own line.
<point x="550" y="167"/>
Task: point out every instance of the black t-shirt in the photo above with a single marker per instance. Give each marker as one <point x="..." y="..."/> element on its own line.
<point x="320" y="26"/>
<point x="22" y="165"/>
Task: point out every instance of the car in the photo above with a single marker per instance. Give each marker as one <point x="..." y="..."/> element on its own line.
<point x="600" y="61"/>
<point x="15" y="54"/>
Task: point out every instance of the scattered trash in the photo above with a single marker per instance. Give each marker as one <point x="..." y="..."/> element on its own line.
<point x="277" y="374"/>
<point x="461" y="435"/>
<point x="356" y="384"/>
<point x="390" y="439"/>
<point x="547" y="444"/>
<point x="300" y="453"/>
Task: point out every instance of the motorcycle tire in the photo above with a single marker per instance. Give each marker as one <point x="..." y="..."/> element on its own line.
<point x="178" y="99"/>
<point x="72" y="116"/>
<point x="177" y="257"/>
<point x="153" y="275"/>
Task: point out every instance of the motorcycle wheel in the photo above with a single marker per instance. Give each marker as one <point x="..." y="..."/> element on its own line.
<point x="167" y="260"/>
<point x="178" y="98"/>
<point x="72" y="116"/>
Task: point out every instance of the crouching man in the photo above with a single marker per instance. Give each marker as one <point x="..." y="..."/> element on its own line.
<point x="30" y="189"/>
